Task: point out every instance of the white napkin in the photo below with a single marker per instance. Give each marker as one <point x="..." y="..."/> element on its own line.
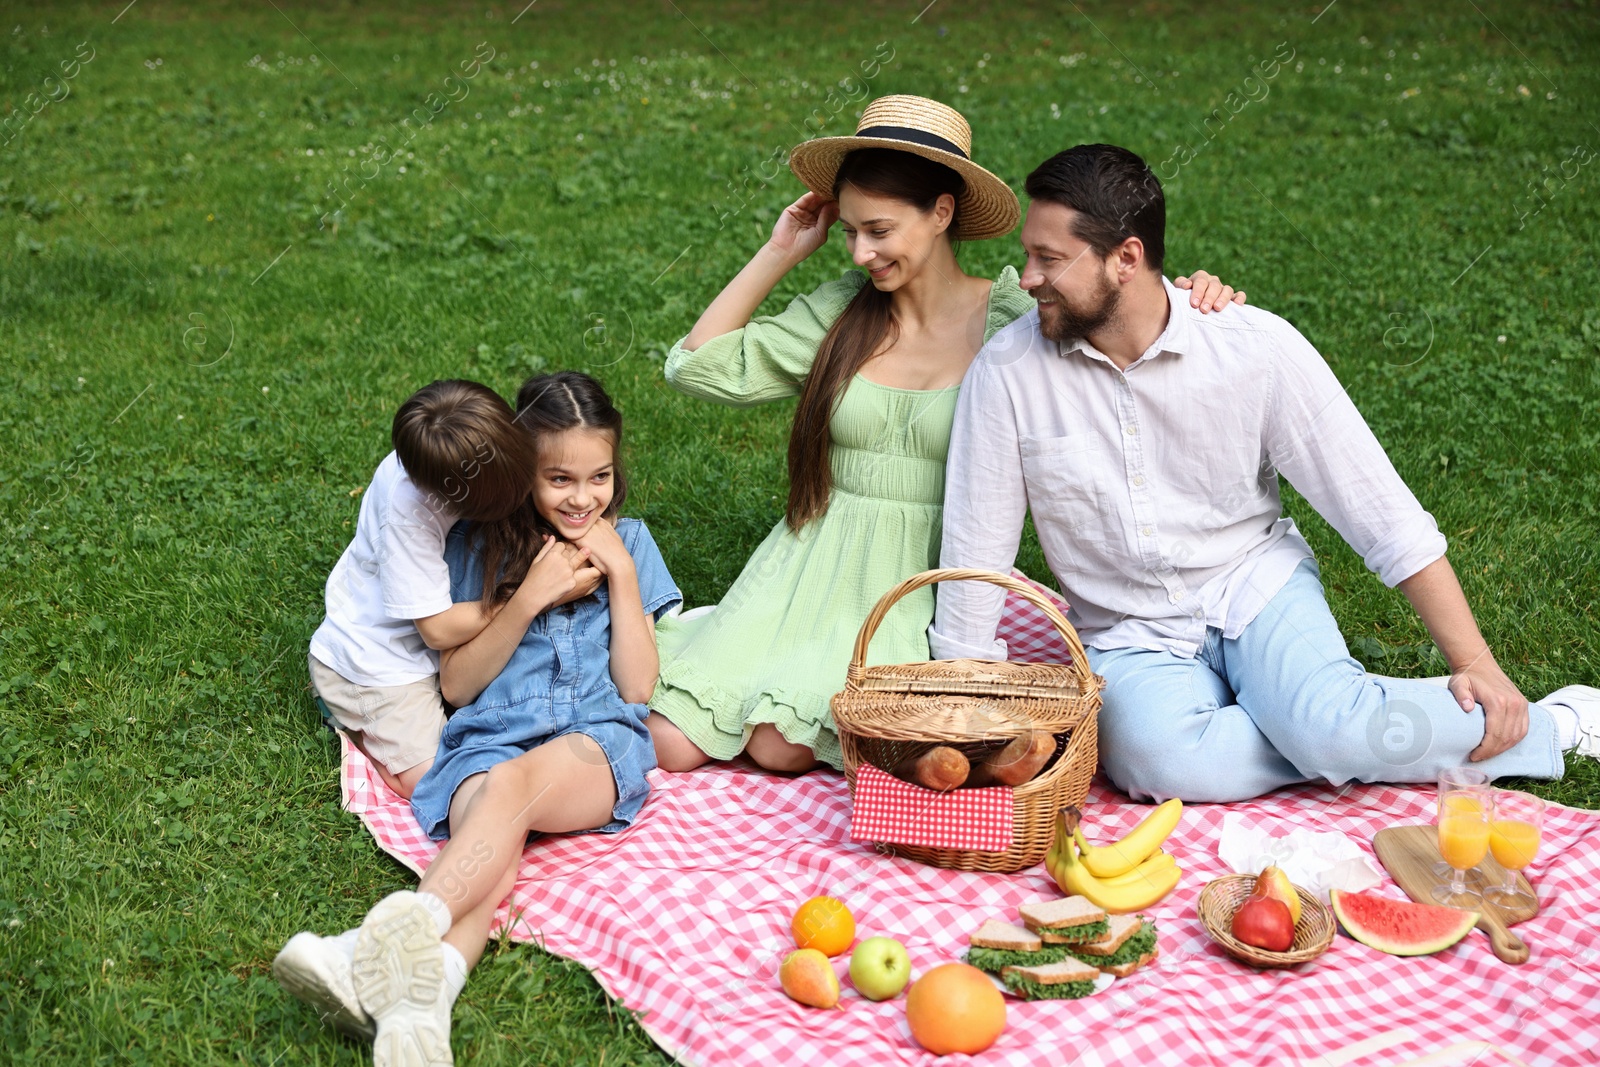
<point x="1315" y="861"/>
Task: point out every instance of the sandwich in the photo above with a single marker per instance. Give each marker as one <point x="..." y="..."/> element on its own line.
<point x="998" y="945"/>
<point x="1066" y="921"/>
<point x="1122" y="970"/>
<point x="1129" y="945"/>
<point x="1066" y="980"/>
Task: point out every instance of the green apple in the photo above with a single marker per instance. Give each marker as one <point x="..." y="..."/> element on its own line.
<point x="880" y="968"/>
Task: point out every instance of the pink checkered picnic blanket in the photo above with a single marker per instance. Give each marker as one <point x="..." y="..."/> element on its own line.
<point x="1030" y="637"/>
<point x="684" y="918"/>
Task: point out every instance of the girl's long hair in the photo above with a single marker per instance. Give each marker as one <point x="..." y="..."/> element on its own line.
<point x="866" y="324"/>
<point x="547" y="404"/>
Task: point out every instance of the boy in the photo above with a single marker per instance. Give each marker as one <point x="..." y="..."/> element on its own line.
<point x="458" y="454"/>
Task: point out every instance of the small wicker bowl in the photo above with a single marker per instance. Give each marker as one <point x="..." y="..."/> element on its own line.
<point x="1221" y="898"/>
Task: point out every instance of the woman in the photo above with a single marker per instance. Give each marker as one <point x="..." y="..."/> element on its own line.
<point x="876" y="359"/>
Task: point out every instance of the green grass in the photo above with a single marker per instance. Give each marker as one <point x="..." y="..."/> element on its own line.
<point x="197" y="377"/>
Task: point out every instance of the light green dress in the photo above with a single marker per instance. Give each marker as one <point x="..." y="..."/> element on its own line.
<point x="776" y="649"/>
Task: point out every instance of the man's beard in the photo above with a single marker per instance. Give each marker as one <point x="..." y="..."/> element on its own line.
<point x="1065" y="324"/>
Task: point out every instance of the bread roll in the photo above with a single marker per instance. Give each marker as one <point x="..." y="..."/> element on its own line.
<point x="1016" y="763"/>
<point x="941" y="769"/>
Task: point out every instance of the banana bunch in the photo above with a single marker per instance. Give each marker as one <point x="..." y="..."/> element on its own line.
<point x="1126" y="876"/>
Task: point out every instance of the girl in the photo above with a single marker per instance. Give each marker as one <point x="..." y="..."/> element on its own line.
<point x="876" y="359"/>
<point x="549" y="738"/>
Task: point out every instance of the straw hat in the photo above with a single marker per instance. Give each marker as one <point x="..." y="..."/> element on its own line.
<point x="926" y="128"/>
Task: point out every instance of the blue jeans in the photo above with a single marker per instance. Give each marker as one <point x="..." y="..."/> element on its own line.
<point x="1283" y="703"/>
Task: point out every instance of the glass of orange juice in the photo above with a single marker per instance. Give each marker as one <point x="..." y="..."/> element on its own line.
<point x="1514" y="841"/>
<point x="1466" y="813"/>
<point x="1457" y="778"/>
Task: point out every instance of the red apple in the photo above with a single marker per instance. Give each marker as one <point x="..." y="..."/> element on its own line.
<point x="1265" y="923"/>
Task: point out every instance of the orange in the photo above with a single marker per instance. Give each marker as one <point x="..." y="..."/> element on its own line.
<point x="825" y="924"/>
<point x="955" y="1008"/>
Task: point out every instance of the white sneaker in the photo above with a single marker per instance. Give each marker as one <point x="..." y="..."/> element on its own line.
<point x="317" y="971"/>
<point x="400" y="980"/>
<point x="1584" y="702"/>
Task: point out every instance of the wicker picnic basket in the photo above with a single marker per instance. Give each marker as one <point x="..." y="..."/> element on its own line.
<point x="886" y="714"/>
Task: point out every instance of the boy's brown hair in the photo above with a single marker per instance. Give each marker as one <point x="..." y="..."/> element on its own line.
<point x="460" y="442"/>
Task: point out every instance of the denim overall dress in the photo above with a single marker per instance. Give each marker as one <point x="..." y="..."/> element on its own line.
<point x="557" y="682"/>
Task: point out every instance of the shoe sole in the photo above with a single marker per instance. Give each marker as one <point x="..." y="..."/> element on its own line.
<point x="399" y="979"/>
<point x="304" y="977"/>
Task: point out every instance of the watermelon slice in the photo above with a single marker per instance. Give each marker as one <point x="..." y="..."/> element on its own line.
<point x="1400" y="927"/>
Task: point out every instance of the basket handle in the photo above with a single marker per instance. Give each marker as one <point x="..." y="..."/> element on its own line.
<point x="1080" y="659"/>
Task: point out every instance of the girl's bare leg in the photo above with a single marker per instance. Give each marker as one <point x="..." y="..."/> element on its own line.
<point x="557" y="788"/>
<point x="469" y="934"/>
<point x="402" y="975"/>
<point x="674" y="751"/>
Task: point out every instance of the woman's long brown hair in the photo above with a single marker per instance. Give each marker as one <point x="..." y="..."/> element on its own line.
<point x="866" y="324"/>
<point x="547" y="404"/>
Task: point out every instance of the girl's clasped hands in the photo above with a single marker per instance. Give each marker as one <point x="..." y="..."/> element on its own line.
<point x="562" y="572"/>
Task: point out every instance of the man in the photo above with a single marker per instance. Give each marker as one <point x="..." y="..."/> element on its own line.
<point x="1148" y="442"/>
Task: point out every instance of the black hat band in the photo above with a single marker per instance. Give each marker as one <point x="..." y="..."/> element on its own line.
<point x="915" y="136"/>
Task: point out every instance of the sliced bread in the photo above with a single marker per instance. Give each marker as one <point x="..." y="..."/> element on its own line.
<point x="1066" y="980"/>
<point x="1119" y="929"/>
<point x="998" y="945"/>
<point x="1005" y="936"/>
<point x="1134" y="946"/>
<point x="1065" y="920"/>
<point x="1122" y="970"/>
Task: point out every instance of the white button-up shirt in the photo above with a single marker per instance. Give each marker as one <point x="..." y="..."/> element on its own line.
<point x="1154" y="490"/>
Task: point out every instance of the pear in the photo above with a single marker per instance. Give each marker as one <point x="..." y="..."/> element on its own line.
<point x="807" y="976"/>
<point x="1273" y="883"/>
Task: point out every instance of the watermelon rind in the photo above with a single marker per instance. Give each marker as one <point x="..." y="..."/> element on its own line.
<point x="1400" y="927"/>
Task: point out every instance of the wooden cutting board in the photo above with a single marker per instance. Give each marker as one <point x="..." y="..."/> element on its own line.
<point x="1408" y="853"/>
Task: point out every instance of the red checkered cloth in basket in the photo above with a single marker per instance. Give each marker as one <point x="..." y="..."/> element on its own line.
<point x="887" y="809"/>
<point x="684" y="918"/>
<point x="1029" y="634"/>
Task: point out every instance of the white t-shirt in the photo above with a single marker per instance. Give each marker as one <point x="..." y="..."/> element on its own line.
<point x="392" y="572"/>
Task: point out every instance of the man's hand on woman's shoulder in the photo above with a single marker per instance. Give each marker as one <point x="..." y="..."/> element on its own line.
<point x="1207" y="292"/>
